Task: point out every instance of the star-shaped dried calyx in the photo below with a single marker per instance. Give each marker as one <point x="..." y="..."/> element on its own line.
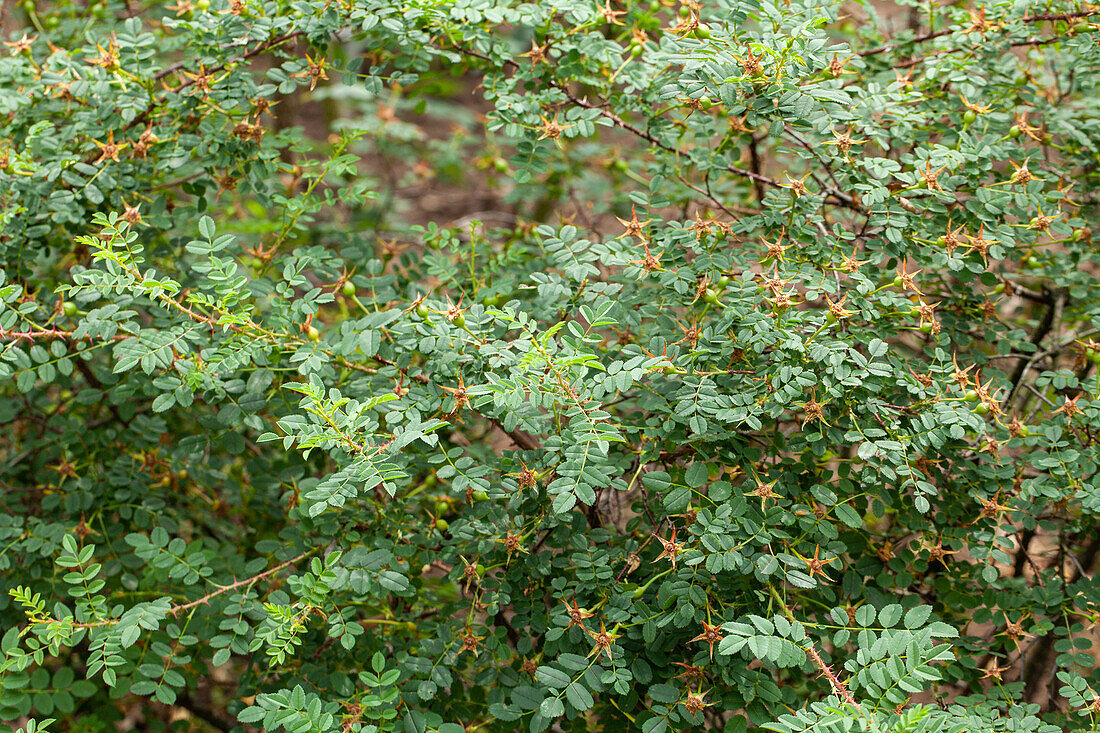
<point x="512" y="543"/>
<point x="774" y="250"/>
<point x="782" y="301"/>
<point x="64" y="468"/>
<point x="995" y="672"/>
<point x="700" y="226"/>
<point x="141" y="145"/>
<point x="685" y="26"/>
<point x="470" y="641"/>
<point x="850" y="263"/>
<point x="988" y="396"/>
<point x="1069" y="407"/>
<point x="1022" y="175"/>
<point x="1016" y="428"/>
<point x="469" y="573"/>
<point x="602" y="639"/>
<point x="82" y="530"/>
<point x="978" y="243"/>
<point x="764" y="491"/>
<point x="978" y="22"/>
<point x="226" y="183"/>
<point x="711" y="635"/>
<point x="937" y="552"/>
<point x="907" y="280"/>
<point x="529" y="666"/>
<point x="843" y="141"/>
<point x="691" y="673"/>
<point x="1041" y="223"/>
<point x="961" y="376"/>
<point x="836" y="65"/>
<point x="23" y="45"/>
<point x="537" y="54"/>
<point x="975" y="108"/>
<point x="314" y="71"/>
<point x="462" y="398"/>
<point x="1015" y="630"/>
<point x="797" y="186"/>
<point x="454" y="310"/>
<point x="202" y="81"/>
<point x="109" y="150"/>
<point x="775" y="284"/>
<point x="815" y="565"/>
<point x="696" y="702"/>
<point x="633" y="227"/>
<point x="750" y="63"/>
<point x="1031" y="131"/>
<point x="108" y="57"/>
<point x="650" y="262"/>
<point x="528" y="479"/>
<point x="950" y="240"/>
<point x="132" y="214"/>
<point x="929" y="177"/>
<point x="837" y="309"/>
<point x="551" y="129"/>
<point x="670" y="548"/>
<point x="246" y="130"/>
<point x="577" y="615"/>
<point x="610" y="15"/>
<point x="692" y="334"/>
<point x="992" y="508"/>
<point x="927" y="315"/>
<point x="813" y="411"/>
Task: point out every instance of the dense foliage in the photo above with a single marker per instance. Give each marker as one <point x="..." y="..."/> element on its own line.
<point x="490" y="365"/>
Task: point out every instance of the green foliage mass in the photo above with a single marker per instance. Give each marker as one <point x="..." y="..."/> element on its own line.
<point x="752" y="387"/>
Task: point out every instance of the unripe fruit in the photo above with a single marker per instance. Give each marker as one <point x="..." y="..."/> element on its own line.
<point x="722" y="282"/>
<point x="69" y="308"/>
<point x="313" y="334"/>
<point x="969" y="117"/>
<point x="914" y="311"/>
<point x="442" y="507"/>
<point x="460" y="320"/>
<point x="348" y="289"/>
<point x="703" y="31"/>
<point x="980" y="409"/>
<point x="684" y="11"/>
<point x="925" y="328"/>
<point x="830" y="319"/>
<point x="442" y="525"/>
<point x="1000" y="288"/>
<point x="411" y="627"/>
<point x="480" y="570"/>
<point x="480" y="495"/>
<point x="711" y="297"/>
<point x="202" y="4"/>
<point x="971" y="396"/>
<point x="422" y="311"/>
<point x="1015" y="131"/>
<point x="636" y="50"/>
<point x="896" y="282"/>
<point x="1092" y="355"/>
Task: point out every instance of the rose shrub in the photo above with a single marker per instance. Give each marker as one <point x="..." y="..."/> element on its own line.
<point x="753" y="386"/>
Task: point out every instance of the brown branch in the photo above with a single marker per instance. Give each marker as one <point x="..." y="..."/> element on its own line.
<point x="174" y="610"/>
<point x="948" y="31"/>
